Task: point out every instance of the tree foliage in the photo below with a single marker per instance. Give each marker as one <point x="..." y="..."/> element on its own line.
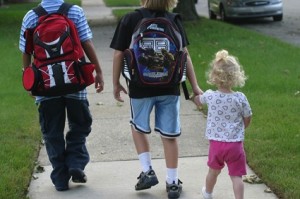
<point x="187" y="10"/>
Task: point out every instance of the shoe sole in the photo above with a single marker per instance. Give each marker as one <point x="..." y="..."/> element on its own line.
<point x="62" y="188"/>
<point x="78" y="176"/>
<point x="174" y="195"/>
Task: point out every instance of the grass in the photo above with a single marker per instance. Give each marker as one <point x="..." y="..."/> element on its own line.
<point x="121" y="3"/>
<point x="272" y="140"/>
<point x="20" y="135"/>
<point x="20" y="132"/>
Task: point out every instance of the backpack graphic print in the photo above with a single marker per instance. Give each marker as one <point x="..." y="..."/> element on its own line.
<point x="155" y="56"/>
<point x="59" y="66"/>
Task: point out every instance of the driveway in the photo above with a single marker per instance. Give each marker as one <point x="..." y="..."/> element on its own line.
<point x="287" y="30"/>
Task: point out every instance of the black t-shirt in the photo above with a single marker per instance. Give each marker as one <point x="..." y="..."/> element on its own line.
<point x="121" y="41"/>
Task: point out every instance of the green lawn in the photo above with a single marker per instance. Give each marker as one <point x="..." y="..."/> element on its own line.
<point x="19" y="128"/>
<point x="120" y="3"/>
<point x="272" y="140"/>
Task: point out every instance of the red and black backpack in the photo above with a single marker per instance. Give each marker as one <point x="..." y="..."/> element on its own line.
<point x="59" y="65"/>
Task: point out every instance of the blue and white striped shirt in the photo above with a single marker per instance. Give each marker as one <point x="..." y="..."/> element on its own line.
<point x="77" y="15"/>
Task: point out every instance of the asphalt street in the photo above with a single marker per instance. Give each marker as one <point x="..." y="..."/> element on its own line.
<point x="287" y="30"/>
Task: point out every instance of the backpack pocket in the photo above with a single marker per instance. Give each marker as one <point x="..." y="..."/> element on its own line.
<point x="87" y="70"/>
<point x="58" y="79"/>
<point x="30" y="78"/>
<point x="129" y="65"/>
<point x="180" y="67"/>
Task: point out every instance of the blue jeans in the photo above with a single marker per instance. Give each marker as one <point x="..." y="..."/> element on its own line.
<point x="68" y="151"/>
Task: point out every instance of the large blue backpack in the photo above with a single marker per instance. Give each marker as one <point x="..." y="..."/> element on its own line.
<point x="155" y="57"/>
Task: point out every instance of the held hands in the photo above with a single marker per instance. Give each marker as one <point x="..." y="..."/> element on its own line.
<point x="196" y="100"/>
<point x="197" y="91"/>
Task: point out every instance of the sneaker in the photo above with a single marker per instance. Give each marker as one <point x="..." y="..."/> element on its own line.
<point x="146" y="180"/>
<point x="174" y="190"/>
<point x="61" y="183"/>
<point x="78" y="175"/>
<point x="205" y="194"/>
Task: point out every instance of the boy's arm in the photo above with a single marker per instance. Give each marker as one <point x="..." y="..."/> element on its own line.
<point x="26" y="60"/>
<point x="197" y="100"/>
<point x="117" y="68"/>
<point x="191" y="75"/>
<point x="90" y="52"/>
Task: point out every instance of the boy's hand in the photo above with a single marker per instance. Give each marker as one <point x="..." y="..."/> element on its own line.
<point x="196" y="100"/>
<point x="99" y="83"/>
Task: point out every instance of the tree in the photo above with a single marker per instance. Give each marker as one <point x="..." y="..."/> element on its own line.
<point x="187" y="10"/>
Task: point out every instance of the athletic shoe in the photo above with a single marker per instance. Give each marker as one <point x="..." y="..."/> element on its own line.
<point x="146" y="180"/>
<point x="174" y="190"/>
<point x="78" y="175"/>
<point x="205" y="194"/>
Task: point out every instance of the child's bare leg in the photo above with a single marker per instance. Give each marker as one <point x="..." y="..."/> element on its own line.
<point x="171" y="152"/>
<point x="140" y="141"/>
<point x="238" y="187"/>
<point x="211" y="179"/>
<point x="171" y="157"/>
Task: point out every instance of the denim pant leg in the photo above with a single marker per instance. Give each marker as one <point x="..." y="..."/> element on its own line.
<point x="52" y="120"/>
<point x="80" y="121"/>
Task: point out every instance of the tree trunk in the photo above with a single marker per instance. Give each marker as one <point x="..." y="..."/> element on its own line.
<point x="187" y="10"/>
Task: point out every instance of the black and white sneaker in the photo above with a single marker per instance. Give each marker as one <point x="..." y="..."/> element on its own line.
<point x="174" y="190"/>
<point x="146" y="180"/>
<point x="78" y="176"/>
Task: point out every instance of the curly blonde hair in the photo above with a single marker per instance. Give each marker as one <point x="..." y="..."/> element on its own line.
<point x="162" y="5"/>
<point x="225" y="71"/>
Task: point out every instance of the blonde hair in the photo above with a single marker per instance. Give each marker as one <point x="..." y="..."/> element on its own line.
<point x="225" y="71"/>
<point x="162" y="5"/>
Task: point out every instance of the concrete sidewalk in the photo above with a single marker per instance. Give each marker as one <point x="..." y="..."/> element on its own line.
<point x="114" y="166"/>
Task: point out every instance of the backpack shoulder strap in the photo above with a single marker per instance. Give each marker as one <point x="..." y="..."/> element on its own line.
<point x="40" y="11"/>
<point x="145" y="12"/>
<point x="64" y="8"/>
<point x="172" y="16"/>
